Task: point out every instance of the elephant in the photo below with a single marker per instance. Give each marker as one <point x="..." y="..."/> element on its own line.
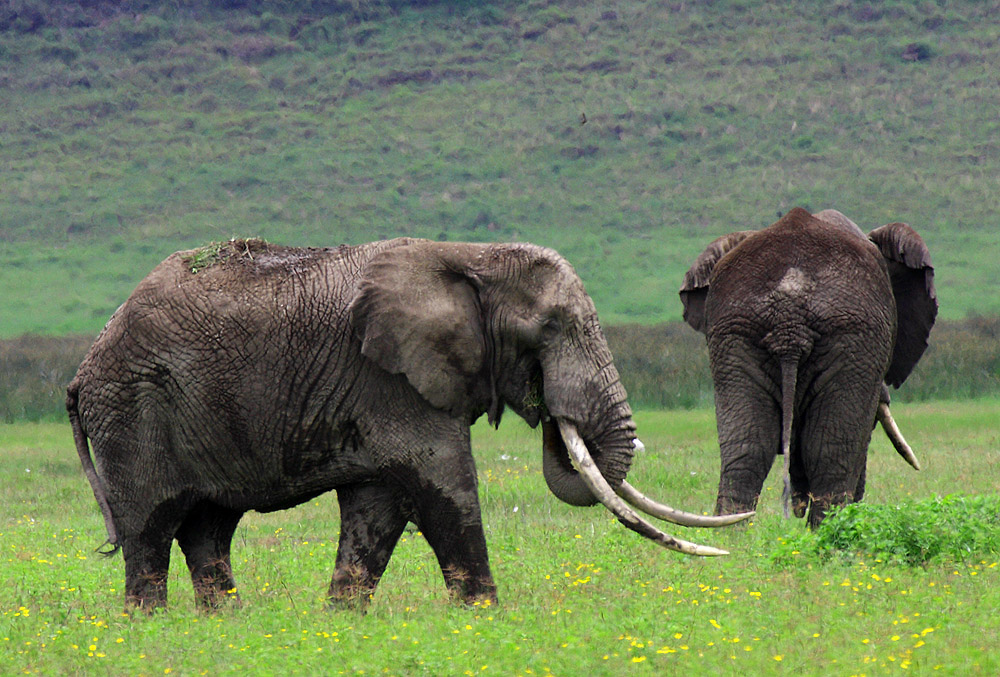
<point x="251" y="376"/>
<point x="807" y="321"/>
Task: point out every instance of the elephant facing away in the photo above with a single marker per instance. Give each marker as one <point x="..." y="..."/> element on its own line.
<point x="250" y="376"/>
<point x="806" y="322"/>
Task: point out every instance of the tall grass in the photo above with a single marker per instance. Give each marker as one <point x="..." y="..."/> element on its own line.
<point x="578" y="593"/>
<point x="662" y="366"/>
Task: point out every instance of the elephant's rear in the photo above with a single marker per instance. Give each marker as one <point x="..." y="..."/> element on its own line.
<point x="820" y="281"/>
<point x="205" y="382"/>
<point x="192" y="359"/>
<point x="87" y="463"/>
<point x="801" y="331"/>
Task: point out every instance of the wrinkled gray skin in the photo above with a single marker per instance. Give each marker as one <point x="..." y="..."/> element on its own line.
<point x="275" y="374"/>
<point x="811" y="317"/>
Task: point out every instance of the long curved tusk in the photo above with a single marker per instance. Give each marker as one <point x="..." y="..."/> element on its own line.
<point x="638" y="500"/>
<point x="602" y="490"/>
<point x="895" y="436"/>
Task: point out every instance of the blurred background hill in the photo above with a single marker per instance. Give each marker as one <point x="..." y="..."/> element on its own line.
<point x="626" y="135"/>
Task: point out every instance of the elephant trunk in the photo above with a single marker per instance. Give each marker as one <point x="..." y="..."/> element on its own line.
<point x="563" y="481"/>
<point x="597" y="406"/>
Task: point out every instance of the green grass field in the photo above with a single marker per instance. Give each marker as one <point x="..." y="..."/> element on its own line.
<point x="131" y="129"/>
<point x="578" y="593"/>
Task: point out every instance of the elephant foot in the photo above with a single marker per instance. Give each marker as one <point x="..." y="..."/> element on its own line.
<point x="145" y="590"/>
<point x="800" y="504"/>
<point x="821" y="505"/>
<point x="210" y="595"/>
<point x="472" y="591"/>
<point x="728" y="505"/>
<point x="146" y="597"/>
<point x="352" y="589"/>
<point x="481" y="599"/>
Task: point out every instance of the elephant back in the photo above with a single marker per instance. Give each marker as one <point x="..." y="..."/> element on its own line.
<point x="801" y="271"/>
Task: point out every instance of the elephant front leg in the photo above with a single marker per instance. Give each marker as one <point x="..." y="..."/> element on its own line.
<point x="461" y="552"/>
<point x="372" y="518"/>
<point x="451" y="521"/>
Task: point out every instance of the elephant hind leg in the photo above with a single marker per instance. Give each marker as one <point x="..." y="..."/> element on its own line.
<point x="146" y="538"/>
<point x="748" y="416"/>
<point x="800" y="483"/>
<point x="820" y="505"/>
<point x="372" y="518"/>
<point x="205" y="537"/>
<point x="147" y="560"/>
<point x="749" y="442"/>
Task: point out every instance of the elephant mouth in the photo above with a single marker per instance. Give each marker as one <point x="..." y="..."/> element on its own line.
<point x="573" y="476"/>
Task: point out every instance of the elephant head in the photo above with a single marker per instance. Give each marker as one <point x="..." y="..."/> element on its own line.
<point x="476" y="328"/>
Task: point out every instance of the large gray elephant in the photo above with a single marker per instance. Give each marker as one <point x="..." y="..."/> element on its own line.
<point x="807" y="321"/>
<point x="248" y="376"/>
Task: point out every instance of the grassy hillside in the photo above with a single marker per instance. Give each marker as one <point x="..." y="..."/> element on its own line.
<point x="131" y="129"/>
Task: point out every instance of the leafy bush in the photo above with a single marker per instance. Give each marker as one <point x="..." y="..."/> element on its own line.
<point x="952" y="527"/>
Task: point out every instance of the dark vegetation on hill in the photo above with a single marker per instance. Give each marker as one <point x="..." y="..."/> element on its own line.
<point x="133" y="129"/>
<point x="662" y="366"/>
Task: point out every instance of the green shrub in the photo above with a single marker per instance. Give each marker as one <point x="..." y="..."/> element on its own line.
<point x="952" y="527"/>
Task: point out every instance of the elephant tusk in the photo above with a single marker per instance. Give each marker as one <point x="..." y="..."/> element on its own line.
<point x="602" y="490"/>
<point x="895" y="436"/>
<point x="638" y="500"/>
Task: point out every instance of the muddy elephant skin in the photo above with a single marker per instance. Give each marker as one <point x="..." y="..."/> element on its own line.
<point x="250" y="376"/>
<point x="806" y="322"/>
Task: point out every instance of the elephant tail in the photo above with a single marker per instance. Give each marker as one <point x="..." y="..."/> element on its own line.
<point x="789" y="344"/>
<point x="96" y="484"/>
<point x="789" y="376"/>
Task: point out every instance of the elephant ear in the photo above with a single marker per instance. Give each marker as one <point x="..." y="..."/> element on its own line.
<point x="417" y="313"/>
<point x="912" y="277"/>
<point x="694" y="290"/>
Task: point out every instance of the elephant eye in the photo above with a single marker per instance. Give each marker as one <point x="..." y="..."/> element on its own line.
<point x="552" y="325"/>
